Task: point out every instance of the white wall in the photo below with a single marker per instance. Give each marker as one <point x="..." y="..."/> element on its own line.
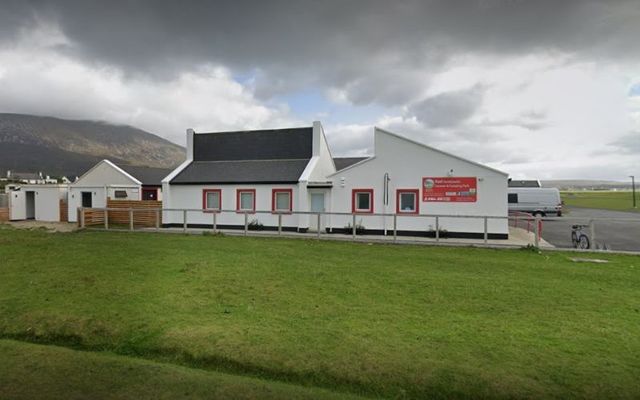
<point x="190" y="197"/>
<point x="46" y="200"/>
<point x="407" y="163"/>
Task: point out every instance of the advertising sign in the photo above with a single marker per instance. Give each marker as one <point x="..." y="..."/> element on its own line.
<point x="449" y="189"/>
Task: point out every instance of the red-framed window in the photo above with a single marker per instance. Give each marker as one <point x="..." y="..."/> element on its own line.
<point x="282" y="200"/>
<point x="245" y="200"/>
<point x="408" y="201"/>
<point x="212" y="200"/>
<point x="362" y="201"/>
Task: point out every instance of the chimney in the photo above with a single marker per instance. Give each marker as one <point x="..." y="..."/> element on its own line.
<point x="190" y="134"/>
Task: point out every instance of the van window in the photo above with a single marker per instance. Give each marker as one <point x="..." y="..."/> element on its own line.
<point x="512" y="198"/>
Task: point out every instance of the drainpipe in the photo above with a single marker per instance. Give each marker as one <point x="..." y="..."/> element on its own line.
<point x="385" y="200"/>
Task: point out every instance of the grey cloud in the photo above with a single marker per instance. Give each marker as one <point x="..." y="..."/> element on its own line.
<point x="532" y="121"/>
<point x="628" y="144"/>
<point x="350" y="45"/>
<point x="449" y="109"/>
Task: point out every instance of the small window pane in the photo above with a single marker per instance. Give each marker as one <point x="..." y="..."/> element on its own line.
<point x="120" y="194"/>
<point x="213" y="200"/>
<point x="246" y="201"/>
<point x="282" y="201"/>
<point x="512" y="198"/>
<point x="363" y="201"/>
<point x="408" y="202"/>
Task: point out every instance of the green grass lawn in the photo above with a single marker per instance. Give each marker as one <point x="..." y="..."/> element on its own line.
<point x="620" y="201"/>
<point x="284" y="318"/>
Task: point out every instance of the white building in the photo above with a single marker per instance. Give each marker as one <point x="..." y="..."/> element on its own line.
<point x="40" y="202"/>
<point x="107" y="180"/>
<point x="286" y="170"/>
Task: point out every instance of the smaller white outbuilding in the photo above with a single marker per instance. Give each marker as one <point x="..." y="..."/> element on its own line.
<point x="37" y="202"/>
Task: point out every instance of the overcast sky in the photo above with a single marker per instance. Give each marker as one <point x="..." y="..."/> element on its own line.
<point x="539" y="89"/>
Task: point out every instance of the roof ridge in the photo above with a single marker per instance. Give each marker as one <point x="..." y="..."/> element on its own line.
<point x="254" y="130"/>
<point x="271" y="159"/>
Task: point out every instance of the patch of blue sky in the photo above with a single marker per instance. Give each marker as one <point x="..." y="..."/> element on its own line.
<point x="314" y="105"/>
<point x="635" y="90"/>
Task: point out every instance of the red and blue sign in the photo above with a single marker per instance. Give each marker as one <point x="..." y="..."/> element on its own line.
<point x="450" y="189"/>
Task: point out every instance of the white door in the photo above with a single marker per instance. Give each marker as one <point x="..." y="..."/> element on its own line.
<point x="317" y="205"/>
<point x="17" y="206"/>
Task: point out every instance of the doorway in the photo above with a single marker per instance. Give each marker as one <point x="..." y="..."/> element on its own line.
<point x="317" y="201"/>
<point x="30" y="209"/>
<point x="87" y="200"/>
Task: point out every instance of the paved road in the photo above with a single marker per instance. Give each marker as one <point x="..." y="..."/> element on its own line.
<point x="617" y="229"/>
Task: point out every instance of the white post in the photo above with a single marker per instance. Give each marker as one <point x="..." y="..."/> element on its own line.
<point x="246" y="223"/>
<point x="318" y="227"/>
<point x="592" y="233"/>
<point x="486" y="233"/>
<point x="537" y="231"/>
<point x="184" y="221"/>
<point x="437" y="228"/>
<point x="353" y="234"/>
<point x="157" y="220"/>
<point x="279" y="224"/>
<point x="215" y="222"/>
<point x="395" y="227"/>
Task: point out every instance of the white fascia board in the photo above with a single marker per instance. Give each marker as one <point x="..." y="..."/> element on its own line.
<point x="111" y="165"/>
<point x="172" y="174"/>
<point x="353" y="166"/>
<point x="440" y="151"/>
<point x="309" y="169"/>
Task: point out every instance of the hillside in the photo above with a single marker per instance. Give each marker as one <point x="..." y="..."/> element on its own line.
<point x="69" y="147"/>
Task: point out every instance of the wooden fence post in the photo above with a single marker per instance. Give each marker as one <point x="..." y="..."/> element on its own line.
<point x="131" y="219"/>
<point x="106" y="219"/>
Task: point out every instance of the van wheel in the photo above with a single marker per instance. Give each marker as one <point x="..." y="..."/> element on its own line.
<point x="538" y="214"/>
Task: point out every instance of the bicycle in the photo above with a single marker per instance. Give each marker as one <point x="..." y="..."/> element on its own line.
<point x="579" y="239"/>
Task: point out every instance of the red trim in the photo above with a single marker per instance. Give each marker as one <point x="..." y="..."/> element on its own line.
<point x="149" y="190"/>
<point x="238" y="192"/>
<point x="416" y="192"/>
<point x="204" y="200"/>
<point x="353" y="201"/>
<point x="273" y="199"/>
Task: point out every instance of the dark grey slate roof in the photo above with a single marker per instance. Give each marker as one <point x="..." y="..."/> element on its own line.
<point x="524" y="183"/>
<point x="147" y="175"/>
<point x="269" y="144"/>
<point x="250" y="171"/>
<point x="344" y="162"/>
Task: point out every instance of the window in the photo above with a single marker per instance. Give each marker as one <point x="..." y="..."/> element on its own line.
<point x="407" y="201"/>
<point x="281" y="200"/>
<point x="246" y="200"/>
<point x="120" y="194"/>
<point x="212" y="199"/>
<point x="512" y="198"/>
<point x="362" y="201"/>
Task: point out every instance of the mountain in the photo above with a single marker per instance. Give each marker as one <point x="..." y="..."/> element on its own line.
<point x="58" y="147"/>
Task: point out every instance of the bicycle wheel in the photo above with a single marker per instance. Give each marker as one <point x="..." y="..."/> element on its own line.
<point x="583" y="242"/>
<point x="574" y="239"/>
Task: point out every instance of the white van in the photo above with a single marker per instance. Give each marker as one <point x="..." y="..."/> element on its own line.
<point x="536" y="201"/>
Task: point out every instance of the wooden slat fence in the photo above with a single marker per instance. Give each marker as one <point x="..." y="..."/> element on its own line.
<point x="64" y="211"/>
<point x="141" y="217"/>
<point x="4" y="214"/>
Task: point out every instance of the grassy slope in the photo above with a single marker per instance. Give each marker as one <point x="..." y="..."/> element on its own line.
<point x="620" y="201"/>
<point x="377" y="320"/>
<point x="30" y="371"/>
